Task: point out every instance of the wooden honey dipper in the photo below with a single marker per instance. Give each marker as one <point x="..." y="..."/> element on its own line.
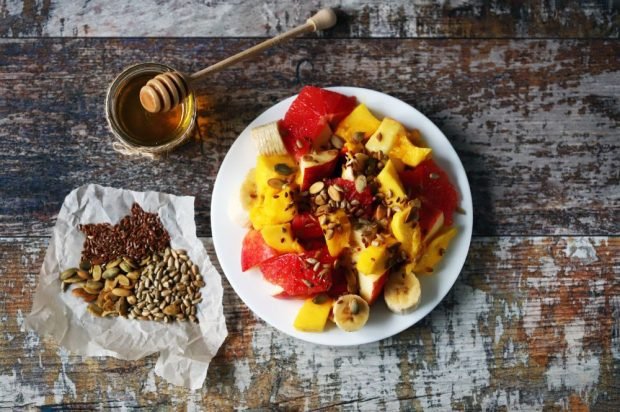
<point x="166" y="90"/>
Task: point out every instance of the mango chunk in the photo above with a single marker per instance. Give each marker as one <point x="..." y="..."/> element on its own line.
<point x="408" y="233"/>
<point x="385" y="137"/>
<point x="389" y="182"/>
<point x="266" y="169"/>
<point x="280" y="238"/>
<point x="360" y="120"/>
<point x="337" y="230"/>
<point x="373" y="260"/>
<point x="312" y="316"/>
<point x="409" y="154"/>
<point x="273" y="207"/>
<point x="434" y="252"/>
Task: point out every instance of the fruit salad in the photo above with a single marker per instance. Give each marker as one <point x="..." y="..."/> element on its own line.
<point x="343" y="209"/>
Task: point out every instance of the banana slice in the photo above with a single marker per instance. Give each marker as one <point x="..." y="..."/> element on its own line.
<point x="238" y="207"/>
<point x="402" y="291"/>
<point x="268" y="140"/>
<point x="351" y="312"/>
<point x="248" y="194"/>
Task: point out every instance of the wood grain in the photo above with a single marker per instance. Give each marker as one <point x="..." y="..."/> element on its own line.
<point x="534" y="122"/>
<point x="532" y="323"/>
<point x="358" y="18"/>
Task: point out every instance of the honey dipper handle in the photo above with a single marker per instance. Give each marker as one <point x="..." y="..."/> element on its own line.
<point x="323" y="19"/>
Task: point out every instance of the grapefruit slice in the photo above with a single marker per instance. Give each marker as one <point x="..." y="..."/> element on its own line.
<point x="296" y="275"/>
<point x="309" y="121"/>
<point x="432" y="185"/>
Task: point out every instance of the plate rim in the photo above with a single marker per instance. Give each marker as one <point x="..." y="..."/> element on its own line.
<point x="463" y="186"/>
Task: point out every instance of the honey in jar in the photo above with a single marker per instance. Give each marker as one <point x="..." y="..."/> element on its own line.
<point x="139" y="129"/>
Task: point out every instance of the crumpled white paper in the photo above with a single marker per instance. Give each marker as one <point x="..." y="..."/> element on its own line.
<point x="185" y="349"/>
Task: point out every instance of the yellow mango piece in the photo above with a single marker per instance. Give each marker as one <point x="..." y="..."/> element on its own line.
<point x="312" y="317"/>
<point x="389" y="182"/>
<point x="409" y="154"/>
<point x="280" y="238"/>
<point x="341" y="233"/>
<point x="266" y="169"/>
<point x="385" y="137"/>
<point x="408" y="233"/>
<point x="360" y="120"/>
<point x="373" y="260"/>
<point x="434" y="252"/>
<point x="274" y="207"/>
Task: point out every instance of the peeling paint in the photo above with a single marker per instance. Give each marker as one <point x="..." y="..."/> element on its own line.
<point x="64" y="385"/>
<point x="459" y="347"/>
<point x="577" y="368"/>
<point x="13" y="392"/>
<point x="581" y="248"/>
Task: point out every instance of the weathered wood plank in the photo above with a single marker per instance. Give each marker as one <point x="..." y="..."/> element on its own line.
<point x="531" y="323"/>
<point x="534" y="122"/>
<point x="358" y="18"/>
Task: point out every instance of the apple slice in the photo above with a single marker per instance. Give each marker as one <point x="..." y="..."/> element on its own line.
<point x="255" y="251"/>
<point x="371" y="286"/>
<point x="317" y="166"/>
<point x="431" y="220"/>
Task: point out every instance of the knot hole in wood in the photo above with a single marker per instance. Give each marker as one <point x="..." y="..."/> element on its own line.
<point x="303" y="71"/>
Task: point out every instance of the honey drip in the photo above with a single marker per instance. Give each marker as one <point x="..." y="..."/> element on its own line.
<point x="147" y="129"/>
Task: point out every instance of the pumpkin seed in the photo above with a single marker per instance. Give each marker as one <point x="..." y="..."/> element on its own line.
<point x="319" y="299"/>
<point x="94" y="310"/>
<point x="82" y="274"/>
<point x="114" y="263"/>
<point x="121" y="292"/>
<point x="125" y="267"/>
<point x="96" y="272"/>
<point x="337" y="141"/>
<point x="276" y="183"/>
<point x="111" y="273"/>
<point x="123" y="280"/>
<point x="283" y="169"/>
<point x="68" y="273"/>
<point x="93" y="284"/>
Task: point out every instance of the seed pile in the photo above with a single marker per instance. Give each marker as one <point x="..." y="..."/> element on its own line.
<point x="129" y="270"/>
<point x="168" y="289"/>
<point x="136" y="236"/>
<point x="164" y="286"/>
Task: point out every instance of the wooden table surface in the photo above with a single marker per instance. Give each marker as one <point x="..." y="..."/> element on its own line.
<point x="527" y="92"/>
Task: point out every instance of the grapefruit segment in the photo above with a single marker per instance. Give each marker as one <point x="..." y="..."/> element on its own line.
<point x="432" y="185"/>
<point x="309" y="121"/>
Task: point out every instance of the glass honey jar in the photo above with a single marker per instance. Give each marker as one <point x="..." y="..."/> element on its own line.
<point x="137" y="130"/>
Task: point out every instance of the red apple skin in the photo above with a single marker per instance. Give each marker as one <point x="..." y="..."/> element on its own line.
<point x="431" y="220"/>
<point x="255" y="251"/>
<point x="314" y="171"/>
<point x="371" y="286"/>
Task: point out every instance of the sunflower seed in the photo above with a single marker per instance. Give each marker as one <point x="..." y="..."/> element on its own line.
<point x="360" y="183"/>
<point x="316" y="188"/>
<point x="334" y="194"/>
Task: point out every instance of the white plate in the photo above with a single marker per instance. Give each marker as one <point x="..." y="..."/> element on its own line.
<point x="280" y="313"/>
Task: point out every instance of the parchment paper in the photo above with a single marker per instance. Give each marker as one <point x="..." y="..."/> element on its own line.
<point x="185" y="349"/>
